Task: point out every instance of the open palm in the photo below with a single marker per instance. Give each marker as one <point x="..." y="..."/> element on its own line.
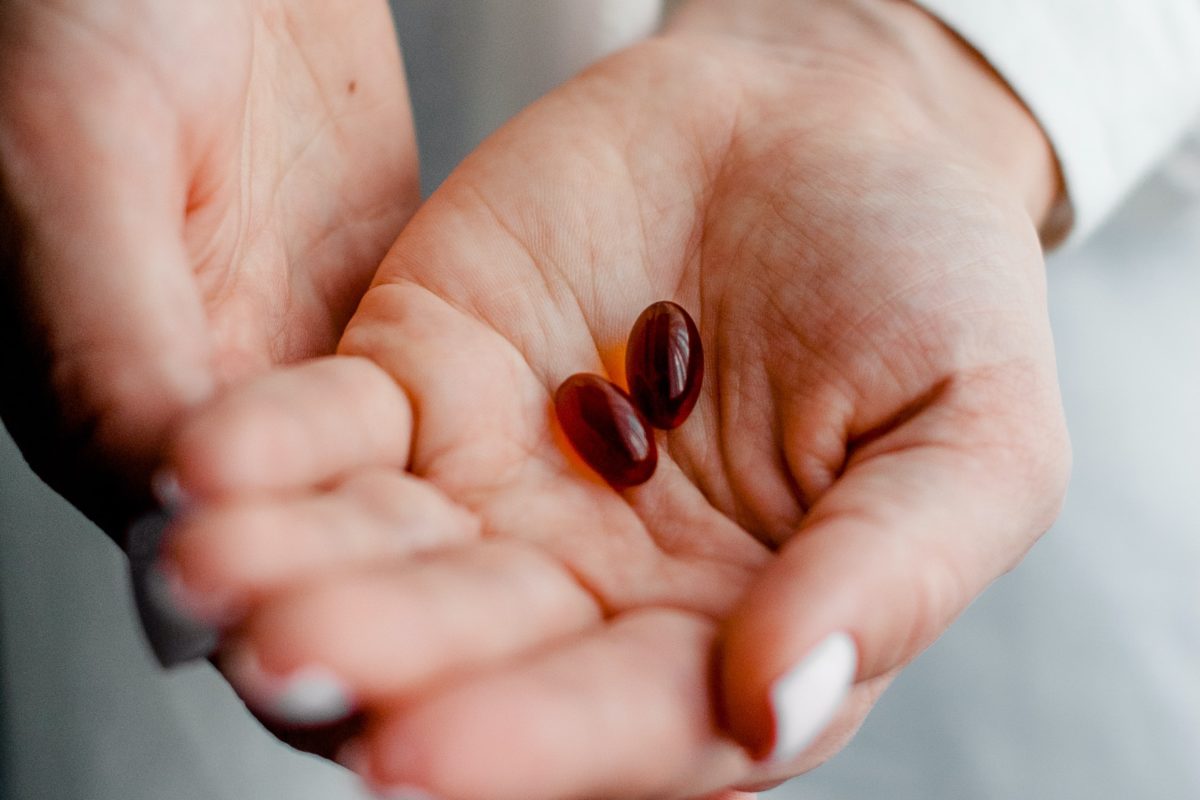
<point x="192" y="194"/>
<point x="878" y="437"/>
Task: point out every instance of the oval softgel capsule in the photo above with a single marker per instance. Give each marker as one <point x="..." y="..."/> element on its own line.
<point x="606" y="430"/>
<point x="664" y="364"/>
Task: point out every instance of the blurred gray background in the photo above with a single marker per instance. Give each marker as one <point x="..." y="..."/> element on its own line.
<point x="1077" y="676"/>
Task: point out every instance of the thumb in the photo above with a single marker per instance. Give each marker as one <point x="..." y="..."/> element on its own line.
<point x="919" y="523"/>
<point x="105" y="336"/>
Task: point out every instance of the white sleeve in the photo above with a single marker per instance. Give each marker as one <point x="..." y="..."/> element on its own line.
<point x="1114" y="83"/>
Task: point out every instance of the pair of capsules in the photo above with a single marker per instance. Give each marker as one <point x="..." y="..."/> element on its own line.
<point x="611" y="430"/>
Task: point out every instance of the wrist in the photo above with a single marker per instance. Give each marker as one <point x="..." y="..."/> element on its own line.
<point x="972" y="102"/>
<point x="897" y="44"/>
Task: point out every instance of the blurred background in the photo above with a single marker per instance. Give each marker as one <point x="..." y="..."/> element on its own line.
<point x="1076" y="676"/>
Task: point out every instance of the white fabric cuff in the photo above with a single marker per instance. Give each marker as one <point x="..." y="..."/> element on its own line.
<point x="1114" y="83"/>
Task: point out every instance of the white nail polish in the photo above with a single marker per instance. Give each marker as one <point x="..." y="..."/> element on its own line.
<point x="176" y="634"/>
<point x="164" y="485"/>
<point x="310" y="695"/>
<point x="806" y="697"/>
<point x="207" y="607"/>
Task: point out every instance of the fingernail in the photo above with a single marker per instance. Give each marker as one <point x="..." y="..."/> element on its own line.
<point x="175" y="634"/>
<point x="210" y="608"/>
<point x="311" y="695"/>
<point x="806" y="697"/>
<point x="353" y="756"/>
<point x="165" y="487"/>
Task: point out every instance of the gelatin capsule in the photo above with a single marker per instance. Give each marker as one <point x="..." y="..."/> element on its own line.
<point x="664" y="364"/>
<point x="606" y="430"/>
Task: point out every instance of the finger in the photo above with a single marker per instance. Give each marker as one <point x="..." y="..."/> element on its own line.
<point x="106" y="336"/>
<point x="293" y="428"/>
<point x="843" y="726"/>
<point x="483" y="412"/>
<point x="286" y="430"/>
<point x="388" y="632"/>
<point x="223" y="558"/>
<point x="622" y="712"/>
<point x="920" y="522"/>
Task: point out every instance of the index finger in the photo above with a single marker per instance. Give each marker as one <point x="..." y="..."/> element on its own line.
<point x="293" y="428"/>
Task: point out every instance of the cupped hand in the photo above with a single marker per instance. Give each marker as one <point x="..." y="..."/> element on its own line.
<point x="190" y="193"/>
<point x="879" y="435"/>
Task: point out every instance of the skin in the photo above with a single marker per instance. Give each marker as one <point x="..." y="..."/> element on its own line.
<point x="190" y="195"/>
<point x="847" y="201"/>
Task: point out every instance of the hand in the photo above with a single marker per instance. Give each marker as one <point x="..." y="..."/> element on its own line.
<point x="850" y="214"/>
<point x="191" y="194"/>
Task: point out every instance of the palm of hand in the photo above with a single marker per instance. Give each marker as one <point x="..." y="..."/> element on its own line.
<point x="199" y="193"/>
<point x="832" y="315"/>
<point x="859" y="297"/>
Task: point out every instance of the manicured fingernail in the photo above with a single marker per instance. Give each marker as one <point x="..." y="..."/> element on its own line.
<point x="806" y="697"/>
<point x="311" y="695"/>
<point x="353" y="756"/>
<point x="167" y="490"/>
<point x="175" y="634"/>
<point x="208" y="608"/>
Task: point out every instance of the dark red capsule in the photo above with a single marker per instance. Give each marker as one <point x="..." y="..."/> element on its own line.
<point x="607" y="431"/>
<point x="664" y="364"/>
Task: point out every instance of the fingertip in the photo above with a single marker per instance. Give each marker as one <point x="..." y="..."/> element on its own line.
<point x="788" y="654"/>
<point x="297" y="426"/>
<point x="788" y="713"/>
<point x="168" y="492"/>
<point x="805" y="699"/>
<point x="743" y="713"/>
<point x="215" y="558"/>
<point x="356" y="756"/>
<point x="308" y="695"/>
<point x="225" y="447"/>
<point x="426" y="746"/>
<point x="174" y="634"/>
<point x="193" y="463"/>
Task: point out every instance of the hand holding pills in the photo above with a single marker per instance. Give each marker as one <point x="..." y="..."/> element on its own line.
<point x="876" y="437"/>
